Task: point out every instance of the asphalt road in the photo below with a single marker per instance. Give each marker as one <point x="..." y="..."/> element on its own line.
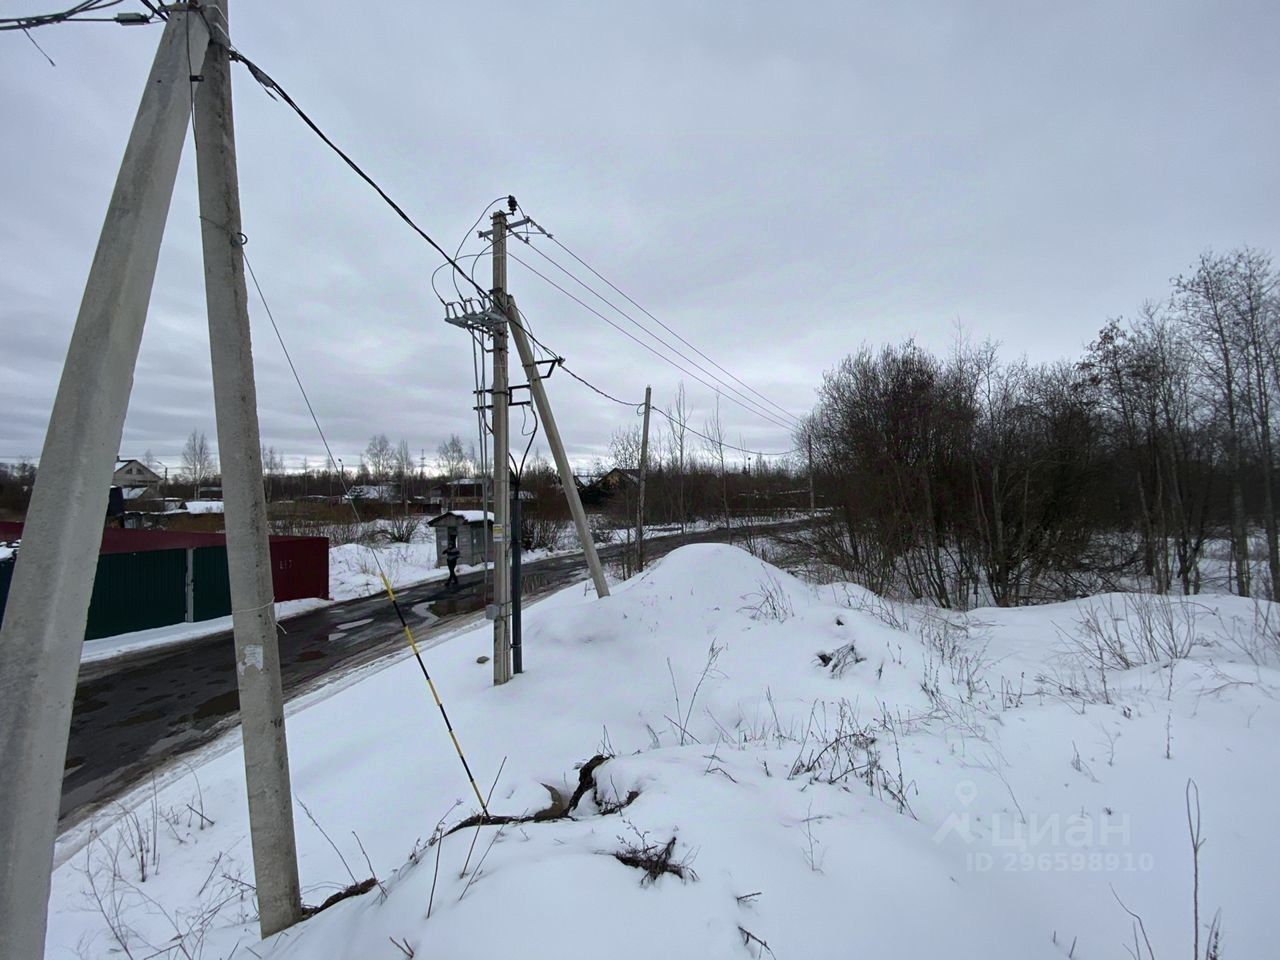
<point x="134" y="714"/>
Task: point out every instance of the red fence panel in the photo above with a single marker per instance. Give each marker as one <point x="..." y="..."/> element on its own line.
<point x="299" y="567"/>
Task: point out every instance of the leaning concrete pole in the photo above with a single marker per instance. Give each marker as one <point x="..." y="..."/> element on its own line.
<point x="266" y="759"/>
<point x="543" y="406"/>
<point x="49" y="598"/>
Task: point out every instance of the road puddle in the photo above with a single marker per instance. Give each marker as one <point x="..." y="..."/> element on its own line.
<point x="353" y="624"/>
<point x="217" y="706"/>
<point x="449" y="606"/>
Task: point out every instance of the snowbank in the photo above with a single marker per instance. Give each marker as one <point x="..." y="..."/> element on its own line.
<point x="177" y="634"/>
<point x="839" y="776"/>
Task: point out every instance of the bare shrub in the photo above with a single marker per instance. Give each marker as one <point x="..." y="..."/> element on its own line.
<point x="402" y="529"/>
<point x="1144" y="629"/>
<point x="841" y="659"/>
<point x="681" y="720"/>
<point x="543" y="532"/>
<point x="954" y="644"/>
<point x="770" y="601"/>
<point x="892" y="613"/>
<point x="336" y="531"/>
<point x="1212" y="942"/>
<point x="837" y="749"/>
<point x="655" y="860"/>
<point x="602" y="528"/>
<point x="1259" y="637"/>
<point x="116" y="899"/>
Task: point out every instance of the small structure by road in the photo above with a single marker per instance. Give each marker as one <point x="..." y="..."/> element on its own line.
<point x="471" y="530"/>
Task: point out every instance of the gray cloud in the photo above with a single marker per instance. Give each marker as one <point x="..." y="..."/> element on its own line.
<point x="777" y="182"/>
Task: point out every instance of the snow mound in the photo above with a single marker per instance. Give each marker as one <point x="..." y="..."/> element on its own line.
<point x="808" y="772"/>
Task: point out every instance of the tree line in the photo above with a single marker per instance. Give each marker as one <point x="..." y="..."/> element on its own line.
<point x="964" y="478"/>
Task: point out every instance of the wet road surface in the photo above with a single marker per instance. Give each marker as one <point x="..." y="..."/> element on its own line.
<point x="133" y="714"/>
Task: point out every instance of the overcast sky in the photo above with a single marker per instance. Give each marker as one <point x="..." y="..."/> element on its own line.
<point x="777" y="182"/>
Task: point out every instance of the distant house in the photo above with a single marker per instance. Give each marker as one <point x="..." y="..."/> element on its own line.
<point x="596" y="491"/>
<point x="616" y="479"/>
<point x="466" y="491"/>
<point x="381" y="492"/>
<point x="123" y="499"/>
<point x="134" y="475"/>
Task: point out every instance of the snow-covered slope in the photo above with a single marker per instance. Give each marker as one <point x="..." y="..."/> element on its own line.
<point x="841" y="777"/>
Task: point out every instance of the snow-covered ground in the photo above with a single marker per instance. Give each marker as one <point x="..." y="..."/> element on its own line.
<point x="835" y="775"/>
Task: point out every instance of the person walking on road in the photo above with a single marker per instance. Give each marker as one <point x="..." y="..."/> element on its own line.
<point x="451" y="555"/>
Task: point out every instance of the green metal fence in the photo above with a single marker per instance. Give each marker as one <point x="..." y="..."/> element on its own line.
<point x="137" y="591"/>
<point x="212" y="585"/>
<point x="6" y="574"/>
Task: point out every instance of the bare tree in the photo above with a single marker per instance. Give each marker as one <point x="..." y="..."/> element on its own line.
<point x="454" y="460"/>
<point x="379" y="457"/>
<point x="624" y="452"/>
<point x="402" y="463"/>
<point x="678" y="415"/>
<point x="455" y="463"/>
<point x="198" y="464"/>
<point x="272" y="467"/>
<point x="714" y="444"/>
<point x="1252" y="302"/>
<point x="1203" y="301"/>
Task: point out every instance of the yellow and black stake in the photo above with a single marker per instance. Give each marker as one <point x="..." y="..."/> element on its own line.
<point x="408" y="635"/>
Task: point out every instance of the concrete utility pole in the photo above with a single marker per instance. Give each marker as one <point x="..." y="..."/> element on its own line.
<point x="543" y="406"/>
<point x="517" y="587"/>
<point x="644" y="470"/>
<point x="501" y="469"/>
<point x="48" y="604"/>
<point x="266" y="757"/>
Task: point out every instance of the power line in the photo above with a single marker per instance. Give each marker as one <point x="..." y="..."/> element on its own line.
<point x="626" y="333"/>
<point x="676" y="350"/>
<point x="272" y="88"/>
<point x="771" y="405"/>
<point x="466" y="236"/>
<point x="79" y="14"/>
<point x="347" y="492"/>
<point x="722" y="443"/>
<point x="36" y="44"/>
